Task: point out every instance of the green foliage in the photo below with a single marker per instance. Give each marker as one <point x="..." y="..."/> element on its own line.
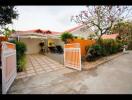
<point x="111" y="46"/>
<point x="98" y="49"/>
<point x="20" y="51"/>
<point x="94" y="52"/>
<point x="75" y="37"/>
<point x="7" y="13"/>
<point x="124" y="29"/>
<point x="108" y="46"/>
<point x="21" y="64"/>
<point x="66" y="36"/>
<point x="130" y="45"/>
<point x="7" y="32"/>
<point x="82" y="38"/>
<point x="105" y="47"/>
<point x="92" y="36"/>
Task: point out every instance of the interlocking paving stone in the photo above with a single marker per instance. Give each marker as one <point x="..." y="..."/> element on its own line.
<point x="31" y="71"/>
<point x="40" y="72"/>
<point x="37" y="64"/>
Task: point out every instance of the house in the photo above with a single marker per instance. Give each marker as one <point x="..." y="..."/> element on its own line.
<point x="82" y="31"/>
<point x="32" y="38"/>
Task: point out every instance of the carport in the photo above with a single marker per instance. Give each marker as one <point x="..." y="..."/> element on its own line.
<point x="31" y="39"/>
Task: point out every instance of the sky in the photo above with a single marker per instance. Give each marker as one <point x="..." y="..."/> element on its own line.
<point x="55" y="18"/>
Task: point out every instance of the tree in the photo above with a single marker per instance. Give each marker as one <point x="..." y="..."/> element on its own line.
<point x="7" y="32"/>
<point x="101" y="18"/>
<point x="125" y="31"/>
<point x="7" y="13"/>
<point x="123" y="28"/>
<point x="66" y="36"/>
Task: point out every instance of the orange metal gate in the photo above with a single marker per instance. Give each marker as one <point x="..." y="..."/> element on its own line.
<point x="72" y="56"/>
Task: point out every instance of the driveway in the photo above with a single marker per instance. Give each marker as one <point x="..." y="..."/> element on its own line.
<point x="113" y="77"/>
<point x="38" y="64"/>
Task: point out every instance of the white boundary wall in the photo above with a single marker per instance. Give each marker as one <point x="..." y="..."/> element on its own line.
<point x="9" y="72"/>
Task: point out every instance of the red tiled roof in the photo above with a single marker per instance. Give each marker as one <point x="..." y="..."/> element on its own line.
<point x="110" y="36"/>
<point x="45" y="31"/>
<point x="37" y="31"/>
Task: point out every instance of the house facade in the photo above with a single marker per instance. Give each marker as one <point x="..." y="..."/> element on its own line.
<point x="32" y="39"/>
<point x="82" y="31"/>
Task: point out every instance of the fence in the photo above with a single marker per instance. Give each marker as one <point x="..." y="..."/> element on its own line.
<point x="83" y="44"/>
<point x="8" y="57"/>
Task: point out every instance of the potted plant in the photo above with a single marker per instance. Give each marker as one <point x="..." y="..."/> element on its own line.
<point x="41" y="44"/>
<point x="50" y="43"/>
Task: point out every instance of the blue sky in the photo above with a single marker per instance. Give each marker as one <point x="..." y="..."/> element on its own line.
<point x="56" y="18"/>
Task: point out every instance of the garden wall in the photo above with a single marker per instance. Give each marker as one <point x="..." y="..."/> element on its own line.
<point x="83" y="44"/>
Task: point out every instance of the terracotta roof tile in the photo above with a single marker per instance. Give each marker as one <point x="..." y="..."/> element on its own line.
<point x="39" y="31"/>
<point x="110" y="36"/>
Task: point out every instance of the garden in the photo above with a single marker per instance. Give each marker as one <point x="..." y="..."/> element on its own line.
<point x="106" y="47"/>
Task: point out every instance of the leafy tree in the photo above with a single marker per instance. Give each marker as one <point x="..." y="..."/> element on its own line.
<point x="7" y="13"/>
<point x="125" y="31"/>
<point x="102" y="18"/>
<point x="7" y="32"/>
<point x="66" y="36"/>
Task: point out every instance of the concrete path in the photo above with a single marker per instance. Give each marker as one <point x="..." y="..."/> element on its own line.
<point x="113" y="77"/>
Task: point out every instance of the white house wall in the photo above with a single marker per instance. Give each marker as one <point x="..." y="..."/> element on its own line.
<point x="82" y="32"/>
<point x="32" y="45"/>
<point x="59" y="42"/>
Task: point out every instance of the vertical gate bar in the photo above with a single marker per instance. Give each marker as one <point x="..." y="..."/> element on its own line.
<point x="72" y="56"/>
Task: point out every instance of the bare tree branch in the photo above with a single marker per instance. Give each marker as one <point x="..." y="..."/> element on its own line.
<point x="101" y="17"/>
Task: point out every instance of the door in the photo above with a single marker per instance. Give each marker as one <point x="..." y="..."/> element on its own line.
<point x="72" y="56"/>
<point x="8" y="65"/>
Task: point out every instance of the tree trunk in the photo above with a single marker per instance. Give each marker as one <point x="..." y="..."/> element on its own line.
<point x="99" y="40"/>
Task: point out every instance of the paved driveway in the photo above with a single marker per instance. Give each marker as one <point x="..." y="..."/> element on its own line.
<point x="38" y="64"/>
<point x="114" y="76"/>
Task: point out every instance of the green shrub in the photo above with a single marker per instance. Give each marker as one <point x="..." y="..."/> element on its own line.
<point x="110" y="46"/>
<point x="21" y="64"/>
<point x="66" y="36"/>
<point x="104" y="48"/>
<point x="98" y="49"/>
<point x="82" y="38"/>
<point x="94" y="52"/>
<point x="130" y="45"/>
<point x="20" y="51"/>
<point x="75" y="37"/>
